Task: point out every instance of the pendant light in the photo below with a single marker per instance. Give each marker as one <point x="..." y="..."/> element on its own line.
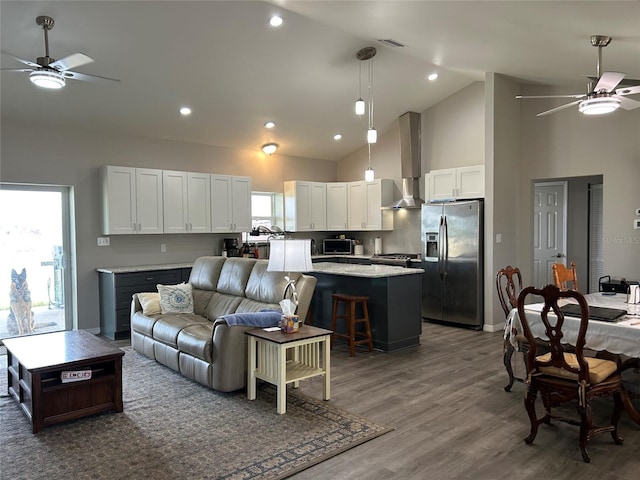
<point x="369" y="173"/>
<point x="360" y="105"/>
<point x="368" y="53"/>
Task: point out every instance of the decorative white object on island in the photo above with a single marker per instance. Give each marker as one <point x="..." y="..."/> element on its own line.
<point x="455" y="183"/>
<point x="131" y="200"/>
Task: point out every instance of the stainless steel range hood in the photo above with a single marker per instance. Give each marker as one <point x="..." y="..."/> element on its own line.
<point x="410" y="162"/>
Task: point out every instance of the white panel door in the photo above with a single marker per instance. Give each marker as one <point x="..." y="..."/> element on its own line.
<point x="149" y="200"/>
<point x="241" y="203"/>
<point x="118" y="200"/>
<point x="221" y="204"/>
<point x="356" y="211"/>
<point x="174" y="201"/>
<point x="318" y="206"/>
<point x="199" y="202"/>
<point x="337" y="206"/>
<point x="549" y="230"/>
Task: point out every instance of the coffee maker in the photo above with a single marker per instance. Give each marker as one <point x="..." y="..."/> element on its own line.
<point x="230" y="245"/>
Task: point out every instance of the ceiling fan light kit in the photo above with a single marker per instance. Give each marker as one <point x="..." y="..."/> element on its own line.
<point x="47" y="78"/>
<point x="599" y="105"/>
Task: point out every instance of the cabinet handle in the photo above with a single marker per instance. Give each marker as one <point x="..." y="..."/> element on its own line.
<point x="190" y="227"/>
<point x="134" y="228"/>
<point x="186" y="227"/>
<point x="149" y="279"/>
<point x="139" y="227"/>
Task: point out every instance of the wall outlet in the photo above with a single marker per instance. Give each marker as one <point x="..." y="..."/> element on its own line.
<point x="103" y="241"/>
<point x="163" y="248"/>
<point x="498" y="238"/>
<point x="638" y="212"/>
<point x="636" y="223"/>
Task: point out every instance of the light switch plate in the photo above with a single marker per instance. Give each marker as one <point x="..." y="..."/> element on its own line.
<point x="638" y="212"/>
<point x="636" y="223"/>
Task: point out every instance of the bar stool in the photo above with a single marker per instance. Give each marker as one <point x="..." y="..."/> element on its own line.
<point x="350" y="302"/>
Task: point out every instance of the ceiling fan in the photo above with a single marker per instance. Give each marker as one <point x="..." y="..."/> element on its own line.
<point x="602" y="98"/>
<point x="50" y="73"/>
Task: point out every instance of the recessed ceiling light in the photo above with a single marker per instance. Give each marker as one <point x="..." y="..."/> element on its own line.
<point x="275" y="21"/>
<point x="269" y="124"/>
<point x="433" y="76"/>
<point x="185" y="111"/>
<point x="337" y="136"/>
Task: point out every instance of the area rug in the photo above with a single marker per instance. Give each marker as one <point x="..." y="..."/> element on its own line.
<point x="173" y="428"/>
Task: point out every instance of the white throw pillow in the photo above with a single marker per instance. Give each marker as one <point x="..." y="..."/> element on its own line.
<point x="150" y="303"/>
<point x="176" y="298"/>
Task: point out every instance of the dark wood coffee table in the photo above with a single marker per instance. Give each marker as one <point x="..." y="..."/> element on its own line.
<point x="34" y="367"/>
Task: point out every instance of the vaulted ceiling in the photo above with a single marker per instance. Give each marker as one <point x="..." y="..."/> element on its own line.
<point x="236" y="72"/>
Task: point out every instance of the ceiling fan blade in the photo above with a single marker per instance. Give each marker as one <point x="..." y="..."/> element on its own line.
<point x="577" y="95"/>
<point x="87" y="77"/>
<point x="557" y="109"/>
<point x="625" y="82"/>
<point x="608" y="81"/>
<point x="628" y="103"/>
<point x="17" y="69"/>
<point x="72" y="61"/>
<point x="628" y="90"/>
<point x="26" y="62"/>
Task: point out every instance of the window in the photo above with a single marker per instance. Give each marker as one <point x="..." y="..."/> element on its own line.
<point x="266" y="211"/>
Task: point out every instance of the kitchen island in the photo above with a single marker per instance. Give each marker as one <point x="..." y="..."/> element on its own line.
<point x="394" y="300"/>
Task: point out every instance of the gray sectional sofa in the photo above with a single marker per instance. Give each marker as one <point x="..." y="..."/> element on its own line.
<point x="201" y="345"/>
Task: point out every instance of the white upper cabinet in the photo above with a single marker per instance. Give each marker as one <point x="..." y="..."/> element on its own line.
<point x="186" y="202"/>
<point x="230" y="203"/>
<point x="305" y="206"/>
<point x="455" y="183"/>
<point x="337" y="206"/>
<point x="365" y="200"/>
<point x="131" y="200"/>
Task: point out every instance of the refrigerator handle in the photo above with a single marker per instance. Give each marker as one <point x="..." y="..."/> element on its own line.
<point x="440" y="247"/>
<point x="445" y="247"/>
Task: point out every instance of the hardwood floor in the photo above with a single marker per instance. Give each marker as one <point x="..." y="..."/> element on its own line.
<point x="453" y="420"/>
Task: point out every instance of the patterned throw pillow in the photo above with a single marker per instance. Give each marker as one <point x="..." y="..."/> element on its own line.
<point x="176" y="298"/>
<point x="150" y="303"/>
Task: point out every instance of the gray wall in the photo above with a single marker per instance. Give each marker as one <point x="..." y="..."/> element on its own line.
<point x="34" y="155"/>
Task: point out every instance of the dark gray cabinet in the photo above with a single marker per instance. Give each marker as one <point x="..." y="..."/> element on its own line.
<point x="116" y="290"/>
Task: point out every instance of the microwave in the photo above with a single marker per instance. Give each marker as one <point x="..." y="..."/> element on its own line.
<point x="337" y="246"/>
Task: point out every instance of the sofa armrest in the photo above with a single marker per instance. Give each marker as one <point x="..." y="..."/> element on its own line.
<point x="229" y="356"/>
<point x="305" y="286"/>
<point x="135" y="304"/>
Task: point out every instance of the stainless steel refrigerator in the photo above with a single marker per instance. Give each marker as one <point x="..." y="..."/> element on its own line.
<point x="452" y="254"/>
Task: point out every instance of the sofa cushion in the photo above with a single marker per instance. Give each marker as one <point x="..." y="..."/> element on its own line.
<point x="234" y="276"/>
<point x="150" y="303"/>
<point x="248" y="305"/>
<point x="196" y="340"/>
<point x="143" y="324"/>
<point x="206" y="272"/>
<point x="264" y="286"/>
<point x="201" y="299"/>
<point x="221" y="304"/>
<point x="167" y="328"/>
<point x="176" y="298"/>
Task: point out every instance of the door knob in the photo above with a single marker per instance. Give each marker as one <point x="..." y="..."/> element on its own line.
<point x="559" y="255"/>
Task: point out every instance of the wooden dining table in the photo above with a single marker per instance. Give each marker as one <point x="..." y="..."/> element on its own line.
<point x="620" y="338"/>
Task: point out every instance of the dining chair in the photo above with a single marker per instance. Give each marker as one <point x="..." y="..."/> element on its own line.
<point x="508" y="286"/>
<point x="562" y="377"/>
<point x="562" y="275"/>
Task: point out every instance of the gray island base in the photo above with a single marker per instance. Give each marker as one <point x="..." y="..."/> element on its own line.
<point x="394" y="300"/>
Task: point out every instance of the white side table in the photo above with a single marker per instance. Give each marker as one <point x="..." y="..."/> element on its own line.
<point x="268" y="360"/>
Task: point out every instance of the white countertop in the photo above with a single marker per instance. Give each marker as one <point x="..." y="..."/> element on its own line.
<point x="144" y="268"/>
<point x="367" y="271"/>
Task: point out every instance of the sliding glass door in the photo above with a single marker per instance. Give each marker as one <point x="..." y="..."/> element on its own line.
<point x="34" y="273"/>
